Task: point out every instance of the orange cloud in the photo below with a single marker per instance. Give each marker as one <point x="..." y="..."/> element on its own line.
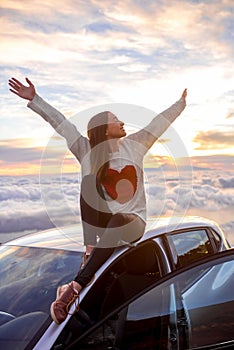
<point x="216" y="161"/>
<point x="230" y="115"/>
<point x="17" y="158"/>
<point x="214" y="140"/>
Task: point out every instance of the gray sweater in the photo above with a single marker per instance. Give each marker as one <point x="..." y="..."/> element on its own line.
<point x="124" y="186"/>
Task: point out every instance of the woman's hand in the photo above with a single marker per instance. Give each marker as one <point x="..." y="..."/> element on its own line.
<point x="26" y="92"/>
<point x="184" y="94"/>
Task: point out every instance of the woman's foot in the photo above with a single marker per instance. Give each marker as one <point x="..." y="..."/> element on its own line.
<point x="66" y="296"/>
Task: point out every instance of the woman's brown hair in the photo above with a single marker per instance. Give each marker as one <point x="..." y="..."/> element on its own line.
<point x="99" y="160"/>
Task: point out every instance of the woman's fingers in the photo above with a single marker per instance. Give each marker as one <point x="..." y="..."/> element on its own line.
<point x="184" y="94"/>
<point x="14" y="87"/>
<point x="15" y="82"/>
<point x="29" y="82"/>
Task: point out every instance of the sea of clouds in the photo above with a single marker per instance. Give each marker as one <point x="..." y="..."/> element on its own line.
<point x="30" y="203"/>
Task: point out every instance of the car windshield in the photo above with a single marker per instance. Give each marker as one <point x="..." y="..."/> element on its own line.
<point x="28" y="281"/>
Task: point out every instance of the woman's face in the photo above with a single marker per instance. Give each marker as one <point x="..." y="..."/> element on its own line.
<point x="115" y="127"/>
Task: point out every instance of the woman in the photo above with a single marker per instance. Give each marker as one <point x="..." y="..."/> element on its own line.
<point x="113" y="204"/>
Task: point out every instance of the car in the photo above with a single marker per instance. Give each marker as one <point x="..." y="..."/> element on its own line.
<point x="170" y="290"/>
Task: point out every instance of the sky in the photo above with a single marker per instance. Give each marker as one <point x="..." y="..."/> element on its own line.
<point x="86" y="54"/>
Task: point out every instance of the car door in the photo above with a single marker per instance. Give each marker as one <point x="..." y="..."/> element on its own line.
<point x="208" y="303"/>
<point x="191" y="308"/>
<point x="133" y="271"/>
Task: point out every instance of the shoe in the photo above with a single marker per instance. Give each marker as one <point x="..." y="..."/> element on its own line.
<point x="66" y="296"/>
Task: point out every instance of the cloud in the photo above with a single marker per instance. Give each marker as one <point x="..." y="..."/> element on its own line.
<point x="210" y="194"/>
<point x="138" y="45"/>
<point x="17" y="158"/>
<point x="84" y="53"/>
<point x="170" y="193"/>
<point x="213" y="139"/>
<point x="32" y="203"/>
<point x="19" y="150"/>
<point x="214" y="161"/>
<point x="18" y="155"/>
<point x="230" y="115"/>
<point x="62" y="37"/>
<point x="227" y="183"/>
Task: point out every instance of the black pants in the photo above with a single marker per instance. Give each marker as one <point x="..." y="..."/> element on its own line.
<point x="113" y="229"/>
<point x="120" y="229"/>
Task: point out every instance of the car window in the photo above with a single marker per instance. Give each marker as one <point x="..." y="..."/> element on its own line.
<point x="191" y="245"/>
<point x="29" y="279"/>
<point x="171" y="317"/>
